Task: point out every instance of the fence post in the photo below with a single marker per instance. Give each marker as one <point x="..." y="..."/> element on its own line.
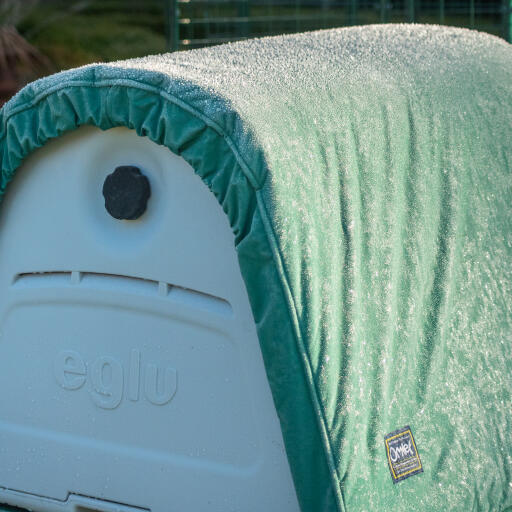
<point x="509" y="21"/>
<point x="411" y="11"/>
<point x="506" y="19"/>
<point x="172" y="35"/>
<point x="353" y="12"/>
<point x="383" y="11"/>
<point x="243" y="22"/>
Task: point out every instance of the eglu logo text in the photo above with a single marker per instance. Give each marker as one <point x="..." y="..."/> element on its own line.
<point x="108" y="380"/>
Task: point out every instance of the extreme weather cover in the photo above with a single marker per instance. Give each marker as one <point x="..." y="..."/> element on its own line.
<point x="366" y="173"/>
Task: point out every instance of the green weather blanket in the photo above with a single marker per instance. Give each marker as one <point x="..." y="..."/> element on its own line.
<point x="366" y="173"/>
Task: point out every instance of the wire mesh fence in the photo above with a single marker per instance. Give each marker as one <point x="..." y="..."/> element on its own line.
<point x="196" y="23"/>
<point x="117" y="28"/>
<point x="63" y="34"/>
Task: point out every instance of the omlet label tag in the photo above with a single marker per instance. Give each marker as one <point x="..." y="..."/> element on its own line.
<point x="403" y="457"/>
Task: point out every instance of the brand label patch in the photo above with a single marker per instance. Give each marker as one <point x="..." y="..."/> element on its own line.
<point x="403" y="457"/>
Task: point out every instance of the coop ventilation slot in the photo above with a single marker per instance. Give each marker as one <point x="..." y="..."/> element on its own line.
<point x="8" y="508"/>
<point x="74" y="503"/>
<point x="127" y="284"/>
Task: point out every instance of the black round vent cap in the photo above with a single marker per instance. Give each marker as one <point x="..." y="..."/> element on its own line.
<point x="126" y="192"/>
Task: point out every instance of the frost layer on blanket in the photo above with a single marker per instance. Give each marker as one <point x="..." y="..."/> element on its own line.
<point x="366" y="175"/>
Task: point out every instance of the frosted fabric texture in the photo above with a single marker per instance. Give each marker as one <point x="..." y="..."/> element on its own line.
<point x="366" y="173"/>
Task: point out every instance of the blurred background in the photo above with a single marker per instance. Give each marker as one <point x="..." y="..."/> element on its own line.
<point x="39" y="37"/>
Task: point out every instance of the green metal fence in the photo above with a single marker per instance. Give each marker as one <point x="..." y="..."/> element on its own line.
<point x="196" y="23"/>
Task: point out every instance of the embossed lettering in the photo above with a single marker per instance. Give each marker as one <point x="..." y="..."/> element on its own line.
<point x="107" y="382"/>
<point x="160" y="385"/>
<point x="134" y="378"/>
<point x="69" y="370"/>
<point x="107" y="378"/>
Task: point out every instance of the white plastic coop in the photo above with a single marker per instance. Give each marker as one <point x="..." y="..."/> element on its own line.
<point x="130" y="369"/>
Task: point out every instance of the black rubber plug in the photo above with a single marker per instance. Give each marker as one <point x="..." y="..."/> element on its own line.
<point x="126" y="192"/>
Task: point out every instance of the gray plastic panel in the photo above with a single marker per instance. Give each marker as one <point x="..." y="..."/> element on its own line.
<point x="130" y="369"/>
